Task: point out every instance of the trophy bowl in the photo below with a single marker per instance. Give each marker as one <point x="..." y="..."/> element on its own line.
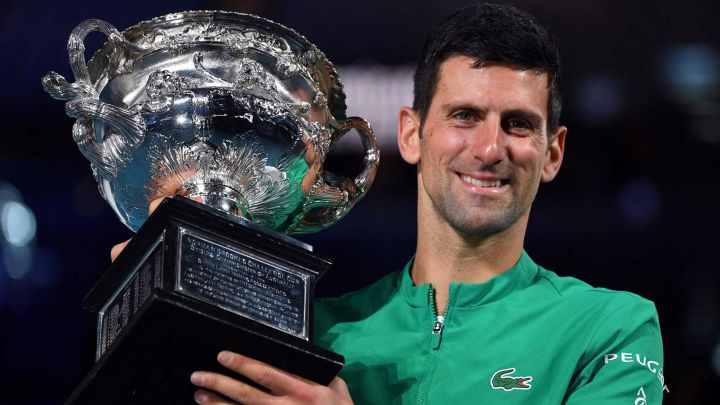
<point x="238" y="113"/>
<point x="232" y="109"/>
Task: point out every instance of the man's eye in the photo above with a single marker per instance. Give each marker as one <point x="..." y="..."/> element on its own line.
<point x="519" y="124"/>
<point x="463" y="116"/>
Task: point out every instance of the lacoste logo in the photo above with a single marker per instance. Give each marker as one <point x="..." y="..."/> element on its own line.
<point x="502" y="380"/>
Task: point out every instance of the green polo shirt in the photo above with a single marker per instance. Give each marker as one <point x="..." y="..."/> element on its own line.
<point x="526" y="336"/>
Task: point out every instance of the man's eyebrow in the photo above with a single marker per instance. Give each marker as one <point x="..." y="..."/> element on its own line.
<point x="461" y="105"/>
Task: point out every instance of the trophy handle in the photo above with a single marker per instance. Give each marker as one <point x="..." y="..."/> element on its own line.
<point x="109" y="154"/>
<point x="76" y="45"/>
<point x="83" y="103"/>
<point x="333" y="195"/>
<point x="371" y="158"/>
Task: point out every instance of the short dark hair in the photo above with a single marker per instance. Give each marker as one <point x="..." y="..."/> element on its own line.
<point x="490" y="33"/>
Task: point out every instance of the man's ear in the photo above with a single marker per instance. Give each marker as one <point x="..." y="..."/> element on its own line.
<point x="408" y="137"/>
<point x="556" y="149"/>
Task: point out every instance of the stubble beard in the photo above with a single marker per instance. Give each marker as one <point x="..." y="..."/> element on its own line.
<point x="478" y="222"/>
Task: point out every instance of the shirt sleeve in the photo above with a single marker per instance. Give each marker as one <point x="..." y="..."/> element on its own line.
<point x="623" y="363"/>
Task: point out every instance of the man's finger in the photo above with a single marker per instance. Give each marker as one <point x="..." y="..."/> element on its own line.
<point x="208" y="398"/>
<point x="276" y="380"/>
<point x="231" y="388"/>
<point x="338" y="384"/>
<point x="154" y="204"/>
<point x="115" y="251"/>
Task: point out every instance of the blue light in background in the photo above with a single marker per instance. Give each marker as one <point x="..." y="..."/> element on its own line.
<point x="639" y="202"/>
<point x="18" y="223"/>
<point x="8" y="192"/>
<point x="17" y="228"/>
<point x="599" y="99"/>
<point x="691" y="72"/>
<point x="17" y="260"/>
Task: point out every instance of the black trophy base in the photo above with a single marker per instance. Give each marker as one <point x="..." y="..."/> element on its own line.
<point x="193" y="282"/>
<point x="174" y="336"/>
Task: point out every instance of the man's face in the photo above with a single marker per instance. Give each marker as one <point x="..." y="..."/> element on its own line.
<point x="484" y="146"/>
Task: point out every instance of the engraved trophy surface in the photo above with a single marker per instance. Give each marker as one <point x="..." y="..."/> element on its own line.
<point x="239" y="113"/>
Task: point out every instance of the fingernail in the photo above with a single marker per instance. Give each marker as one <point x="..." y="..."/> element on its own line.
<point x="225" y="358"/>
<point x="200" y="396"/>
<point x="197" y="377"/>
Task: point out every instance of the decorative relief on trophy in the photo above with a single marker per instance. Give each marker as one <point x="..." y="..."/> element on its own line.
<point x="231" y="108"/>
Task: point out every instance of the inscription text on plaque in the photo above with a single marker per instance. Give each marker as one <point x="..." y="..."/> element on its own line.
<point x="241" y="282"/>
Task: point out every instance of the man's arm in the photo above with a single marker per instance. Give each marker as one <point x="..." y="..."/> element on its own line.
<point x="624" y="358"/>
<point x="285" y="388"/>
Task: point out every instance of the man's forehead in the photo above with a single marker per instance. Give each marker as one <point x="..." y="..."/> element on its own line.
<point x="461" y="77"/>
<point x="473" y="63"/>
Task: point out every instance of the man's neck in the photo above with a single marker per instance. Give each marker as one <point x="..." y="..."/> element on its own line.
<point x="445" y="256"/>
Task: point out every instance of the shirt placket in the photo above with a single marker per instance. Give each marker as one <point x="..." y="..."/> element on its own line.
<point x="435" y="341"/>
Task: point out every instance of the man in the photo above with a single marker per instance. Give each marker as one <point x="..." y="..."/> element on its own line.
<point x="471" y="318"/>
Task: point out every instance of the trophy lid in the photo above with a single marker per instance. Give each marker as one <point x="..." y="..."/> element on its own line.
<point x="238" y="35"/>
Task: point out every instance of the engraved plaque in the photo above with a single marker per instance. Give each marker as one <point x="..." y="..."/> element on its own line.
<point x="126" y="302"/>
<point x="235" y="279"/>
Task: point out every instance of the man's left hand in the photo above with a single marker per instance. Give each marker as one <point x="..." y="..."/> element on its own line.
<point x="285" y="388"/>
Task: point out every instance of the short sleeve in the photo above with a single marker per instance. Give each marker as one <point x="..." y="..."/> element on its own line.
<point x="623" y="363"/>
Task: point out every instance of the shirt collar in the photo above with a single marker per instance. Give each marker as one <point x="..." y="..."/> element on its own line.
<point x="468" y="294"/>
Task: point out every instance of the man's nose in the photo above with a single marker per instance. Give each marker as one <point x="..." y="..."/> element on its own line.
<point x="488" y="143"/>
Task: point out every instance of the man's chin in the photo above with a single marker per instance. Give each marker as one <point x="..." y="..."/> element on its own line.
<point x="482" y="229"/>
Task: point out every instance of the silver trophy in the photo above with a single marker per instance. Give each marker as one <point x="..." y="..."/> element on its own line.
<point x="235" y="111"/>
<point x="232" y="108"/>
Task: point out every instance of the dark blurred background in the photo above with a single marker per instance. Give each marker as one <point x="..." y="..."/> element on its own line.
<point x="634" y="208"/>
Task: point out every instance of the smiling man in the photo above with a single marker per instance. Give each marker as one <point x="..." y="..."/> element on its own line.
<point x="471" y="318"/>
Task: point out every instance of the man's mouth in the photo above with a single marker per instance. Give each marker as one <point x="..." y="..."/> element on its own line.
<point x="482" y="183"/>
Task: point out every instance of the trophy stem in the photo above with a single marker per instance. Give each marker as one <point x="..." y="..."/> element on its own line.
<point x="220" y="197"/>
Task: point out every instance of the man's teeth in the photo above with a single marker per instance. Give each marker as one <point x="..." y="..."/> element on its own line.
<point x="480" y="183"/>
